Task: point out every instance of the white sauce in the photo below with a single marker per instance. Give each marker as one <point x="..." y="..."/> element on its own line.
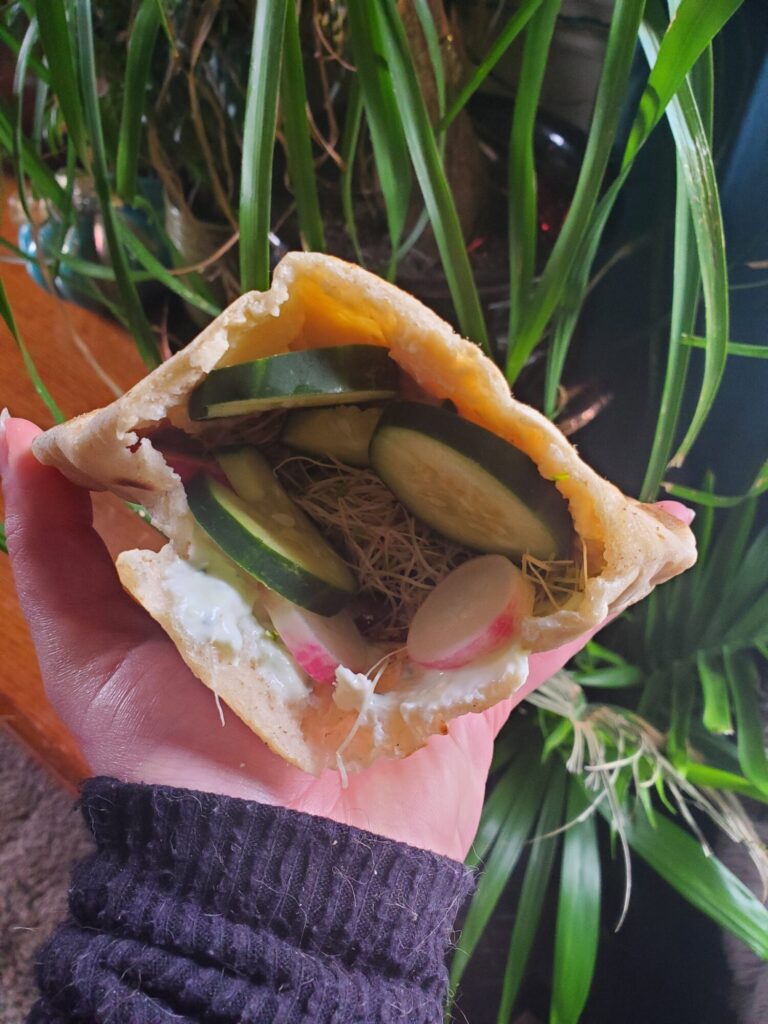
<point x="209" y="610"/>
<point x="219" y="611"/>
<point x="423" y="693"/>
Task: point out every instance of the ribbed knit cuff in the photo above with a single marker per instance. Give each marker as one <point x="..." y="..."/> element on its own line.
<point x="198" y="905"/>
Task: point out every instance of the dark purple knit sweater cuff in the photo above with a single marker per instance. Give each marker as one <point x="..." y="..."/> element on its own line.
<point x="206" y="906"/>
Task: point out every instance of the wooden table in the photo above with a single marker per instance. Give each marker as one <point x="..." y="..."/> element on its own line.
<point x="64" y="342"/>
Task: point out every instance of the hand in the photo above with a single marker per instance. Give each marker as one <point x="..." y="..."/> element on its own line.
<point x="139" y="714"/>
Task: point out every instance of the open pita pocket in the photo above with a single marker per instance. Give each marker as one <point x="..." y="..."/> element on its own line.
<point x="318" y="301"/>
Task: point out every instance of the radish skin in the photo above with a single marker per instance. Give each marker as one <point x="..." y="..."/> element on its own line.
<point x="188" y="466"/>
<point x="474" y="610"/>
<point x="319" y="644"/>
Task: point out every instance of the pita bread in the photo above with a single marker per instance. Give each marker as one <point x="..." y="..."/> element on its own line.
<point x="317" y="301"/>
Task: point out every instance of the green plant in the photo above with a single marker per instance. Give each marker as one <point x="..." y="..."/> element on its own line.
<point x="642" y="760"/>
<point x="333" y="131"/>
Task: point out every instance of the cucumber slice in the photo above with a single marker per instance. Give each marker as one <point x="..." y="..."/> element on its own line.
<point x="318" y="376"/>
<point x="344" y="433"/>
<point x="258" y="526"/>
<point x="469" y="484"/>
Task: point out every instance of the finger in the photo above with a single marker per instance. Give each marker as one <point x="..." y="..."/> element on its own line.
<point x="78" y="614"/>
<point x="678" y="510"/>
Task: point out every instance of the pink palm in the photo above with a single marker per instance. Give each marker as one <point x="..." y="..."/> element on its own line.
<point x="138" y="713"/>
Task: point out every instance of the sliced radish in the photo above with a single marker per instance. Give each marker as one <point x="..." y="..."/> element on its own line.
<point x="188" y="466"/>
<point x="474" y="610"/>
<point x="318" y="643"/>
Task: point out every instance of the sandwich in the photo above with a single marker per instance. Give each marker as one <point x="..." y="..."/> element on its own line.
<point x="367" y="535"/>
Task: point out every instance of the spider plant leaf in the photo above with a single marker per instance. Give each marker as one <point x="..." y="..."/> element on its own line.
<point x="701" y="879"/>
<point x="141" y="45"/>
<point x="743" y="682"/>
<point x="134" y="312"/>
<point x="512" y="29"/>
<point x="693" y="27"/>
<point x="600" y="652"/>
<point x="722" y="565"/>
<point x="504" y="749"/>
<point x="57" y="40"/>
<point x="733" y="348"/>
<point x="524" y="803"/>
<point x="695" y="162"/>
<point x="706" y="498"/>
<point x="19" y="83"/>
<point x="705" y="775"/>
<point x="42" y="177"/>
<point x="538" y="872"/>
<point x="259" y="143"/>
<point x="717" y="709"/>
<point x="298" y="146"/>
<point x="3" y="541"/>
<point x="155" y="268"/>
<point x="7" y="315"/>
<point x="609" y="104"/>
<point x="681" y="711"/>
<point x="348" y="151"/>
<point x="578" y="913"/>
<point x="497" y="804"/>
<point x="432" y="40"/>
<point x="615" y="677"/>
<point x="14" y="45"/>
<point x="704" y="524"/>
<point x="390" y="148"/>
<point x="522" y="185"/>
<point x="686" y="286"/>
<point x="428" y="165"/>
<point x="562" y="731"/>
<point x="744" y="589"/>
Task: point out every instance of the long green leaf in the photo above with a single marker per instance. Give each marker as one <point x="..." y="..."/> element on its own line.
<point x="348" y="151"/>
<point x="523" y="221"/>
<point x="710" y="500"/>
<point x="701" y="879"/>
<point x="425" y="155"/>
<point x="613" y="678"/>
<point x="717" y="709"/>
<point x="14" y="45"/>
<point x="680" y="60"/>
<point x="578" y="914"/>
<point x="19" y="84"/>
<point x="432" y="40"/>
<point x="743" y="681"/>
<point x="525" y="799"/>
<point x="158" y="272"/>
<point x="42" y="177"/>
<point x="390" y="148"/>
<point x="538" y="871"/>
<point x="694" y="26"/>
<point x="716" y="778"/>
<point x="609" y="103"/>
<point x="495" y="810"/>
<point x="298" y="147"/>
<point x="501" y="43"/>
<point x="141" y="45"/>
<point x="733" y="348"/>
<point x="57" y="40"/>
<point x="3" y="541"/>
<point x="686" y="283"/>
<point x="698" y="171"/>
<point x="681" y="712"/>
<point x="7" y="314"/>
<point x="142" y="332"/>
<point x="259" y="143"/>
